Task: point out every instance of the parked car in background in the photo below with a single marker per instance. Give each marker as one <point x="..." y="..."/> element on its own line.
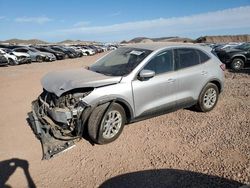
<point x="76" y="53"/>
<point x="21" y="57"/>
<point x="58" y="55"/>
<point x="104" y="48"/>
<point x="226" y="46"/>
<point x="236" y="58"/>
<point x="112" y="47"/>
<point x="48" y="56"/>
<point x="127" y="85"/>
<point x="68" y="53"/>
<point x="3" y="60"/>
<point x="80" y="50"/>
<point x="97" y="50"/>
<point x="11" y="57"/>
<point x="87" y="50"/>
<point x="34" y="54"/>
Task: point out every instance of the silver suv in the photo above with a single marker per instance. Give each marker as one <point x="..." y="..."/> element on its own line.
<point x="129" y="84"/>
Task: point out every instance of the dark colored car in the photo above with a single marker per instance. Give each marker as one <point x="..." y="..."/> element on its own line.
<point x="236" y="58"/>
<point x="10" y="46"/>
<point x="3" y="60"/>
<point x="59" y="55"/>
<point x="68" y="53"/>
<point x="76" y="54"/>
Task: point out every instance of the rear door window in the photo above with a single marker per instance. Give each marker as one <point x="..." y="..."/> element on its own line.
<point x="186" y="57"/>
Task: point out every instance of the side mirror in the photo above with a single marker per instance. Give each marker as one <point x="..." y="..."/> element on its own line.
<point x="146" y="74"/>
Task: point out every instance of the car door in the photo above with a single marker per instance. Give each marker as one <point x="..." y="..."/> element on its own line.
<point x="248" y="55"/>
<point x="156" y="95"/>
<point x="191" y="75"/>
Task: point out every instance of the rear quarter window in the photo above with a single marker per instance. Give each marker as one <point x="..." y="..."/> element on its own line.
<point x="203" y="56"/>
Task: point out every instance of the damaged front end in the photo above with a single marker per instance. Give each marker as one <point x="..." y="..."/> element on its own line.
<point x="59" y="121"/>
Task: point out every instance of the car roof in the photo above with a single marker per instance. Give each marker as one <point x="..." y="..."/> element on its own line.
<point x="159" y="45"/>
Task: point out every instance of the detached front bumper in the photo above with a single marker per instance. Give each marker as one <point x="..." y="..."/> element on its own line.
<point x="42" y="129"/>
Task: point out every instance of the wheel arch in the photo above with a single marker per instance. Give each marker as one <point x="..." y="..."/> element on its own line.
<point x="213" y="81"/>
<point x="217" y="83"/>
<point x="242" y="57"/>
<point x="126" y="106"/>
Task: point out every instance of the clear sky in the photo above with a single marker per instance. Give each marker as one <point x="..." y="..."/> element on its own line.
<point x="116" y="20"/>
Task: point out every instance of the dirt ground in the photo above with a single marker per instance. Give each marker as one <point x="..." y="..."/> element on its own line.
<point x="180" y="149"/>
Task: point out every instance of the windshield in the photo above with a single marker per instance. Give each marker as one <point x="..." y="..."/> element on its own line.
<point x="245" y="46"/>
<point x="120" y="62"/>
<point x="33" y="50"/>
<point x="48" y="50"/>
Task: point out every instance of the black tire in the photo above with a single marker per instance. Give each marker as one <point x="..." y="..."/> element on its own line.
<point x="204" y="100"/>
<point x="97" y="119"/>
<point x="12" y="62"/>
<point x="39" y="59"/>
<point x="237" y="64"/>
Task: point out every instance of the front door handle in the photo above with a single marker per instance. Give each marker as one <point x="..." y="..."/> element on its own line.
<point x="204" y="73"/>
<point x="171" y="80"/>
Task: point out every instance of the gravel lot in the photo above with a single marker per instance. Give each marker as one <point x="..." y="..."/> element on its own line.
<point x="183" y="148"/>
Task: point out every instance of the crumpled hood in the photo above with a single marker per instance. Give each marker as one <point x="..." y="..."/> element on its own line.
<point x="59" y="82"/>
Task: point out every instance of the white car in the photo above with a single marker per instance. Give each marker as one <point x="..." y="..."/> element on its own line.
<point x="86" y="50"/>
<point x="22" y="57"/>
<point x="11" y="58"/>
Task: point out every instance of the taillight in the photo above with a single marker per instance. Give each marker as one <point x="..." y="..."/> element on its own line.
<point x="223" y="66"/>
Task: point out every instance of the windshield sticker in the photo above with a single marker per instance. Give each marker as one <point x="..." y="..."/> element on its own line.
<point x="134" y="52"/>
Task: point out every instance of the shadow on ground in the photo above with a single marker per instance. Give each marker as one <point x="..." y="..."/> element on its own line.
<point x="244" y="71"/>
<point x="171" y="178"/>
<point x="8" y="167"/>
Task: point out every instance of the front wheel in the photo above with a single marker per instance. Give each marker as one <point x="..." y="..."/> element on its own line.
<point x="208" y="98"/>
<point x="105" y="125"/>
<point x="39" y="59"/>
<point x="237" y="64"/>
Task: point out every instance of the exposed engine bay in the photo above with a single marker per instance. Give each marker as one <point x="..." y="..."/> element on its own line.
<point x="59" y="121"/>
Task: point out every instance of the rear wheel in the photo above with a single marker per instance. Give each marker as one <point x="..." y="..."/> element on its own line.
<point x="237" y="64"/>
<point x="105" y="125"/>
<point x="208" y="98"/>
